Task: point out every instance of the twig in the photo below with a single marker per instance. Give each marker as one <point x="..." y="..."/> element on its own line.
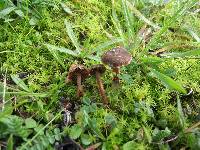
<point x="188" y="130"/>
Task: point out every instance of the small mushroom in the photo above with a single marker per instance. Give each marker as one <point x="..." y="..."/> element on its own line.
<point x="116" y="58"/>
<point x="97" y="70"/>
<point x="77" y="73"/>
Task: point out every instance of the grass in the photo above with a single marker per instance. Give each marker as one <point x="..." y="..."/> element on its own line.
<point x="150" y="110"/>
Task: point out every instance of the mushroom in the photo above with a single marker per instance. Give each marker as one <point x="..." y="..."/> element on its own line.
<point x="116" y="58"/>
<point x="97" y="70"/>
<point x="77" y="73"/>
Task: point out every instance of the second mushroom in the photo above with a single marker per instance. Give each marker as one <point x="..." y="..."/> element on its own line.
<point x="97" y="70"/>
<point x="77" y="73"/>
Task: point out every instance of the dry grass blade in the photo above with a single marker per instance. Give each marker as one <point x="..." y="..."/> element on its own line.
<point x="93" y="147"/>
<point x="192" y="127"/>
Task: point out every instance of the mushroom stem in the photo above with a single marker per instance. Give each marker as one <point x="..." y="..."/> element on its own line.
<point x="116" y="70"/>
<point x="116" y="78"/>
<point x="101" y="88"/>
<point x="115" y="81"/>
<point x="79" y="86"/>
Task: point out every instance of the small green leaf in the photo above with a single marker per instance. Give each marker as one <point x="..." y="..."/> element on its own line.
<point x="167" y="81"/>
<point x="66" y="9"/>
<point x="14" y="125"/>
<point x="147" y="134"/>
<point x="38" y="147"/>
<point x="61" y="49"/>
<point x="159" y="135"/>
<point x="129" y="145"/>
<point x="93" y="124"/>
<point x="44" y="140"/>
<point x="75" y="131"/>
<point x="56" y="131"/>
<point x="72" y="36"/>
<point x="30" y="123"/>
<point x="39" y="129"/>
<point x="7" y="111"/>
<point x="111" y="120"/>
<point x="86" y="139"/>
<point x="50" y="136"/>
<point x="20" y="83"/>
<point x="33" y="21"/>
<point x="10" y="143"/>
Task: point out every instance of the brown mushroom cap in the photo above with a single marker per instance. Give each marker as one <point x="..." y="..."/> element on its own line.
<point x="116" y="57"/>
<point x="97" y="68"/>
<point x="76" y="69"/>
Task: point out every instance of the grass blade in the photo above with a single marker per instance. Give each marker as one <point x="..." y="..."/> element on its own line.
<point x="7" y="52"/>
<point x="72" y="36"/>
<point x="117" y="23"/>
<point x="61" y="49"/>
<point x="141" y="16"/>
<point x="55" y="54"/>
<point x="128" y="19"/>
<point x="20" y="83"/>
<point x="108" y="43"/>
<point x="10" y="143"/>
<point x="180" y="12"/>
<point x="4" y="93"/>
<point x="191" y="53"/>
<point x="27" y="94"/>
<point x="193" y="34"/>
<point x="24" y="146"/>
<point x="6" y="11"/>
<point x="180" y="112"/>
<point x="66" y="9"/>
<point x="167" y="81"/>
<point x="147" y="134"/>
<point x="96" y="58"/>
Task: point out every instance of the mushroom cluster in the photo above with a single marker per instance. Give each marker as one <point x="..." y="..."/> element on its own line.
<point x="115" y="58"/>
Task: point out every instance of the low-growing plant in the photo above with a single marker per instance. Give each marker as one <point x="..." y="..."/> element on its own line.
<point x="163" y="40"/>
